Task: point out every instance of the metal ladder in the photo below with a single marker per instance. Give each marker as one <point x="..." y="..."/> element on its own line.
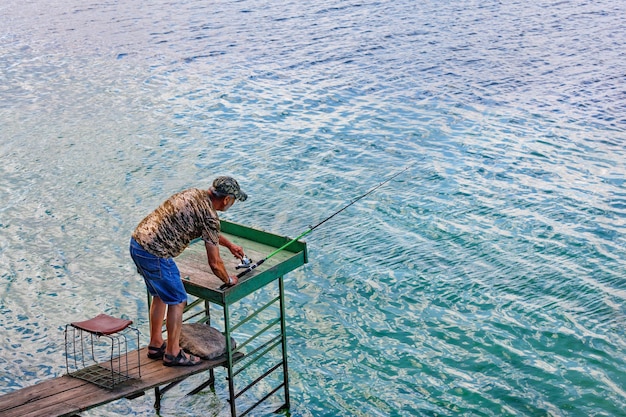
<point x="258" y="342"/>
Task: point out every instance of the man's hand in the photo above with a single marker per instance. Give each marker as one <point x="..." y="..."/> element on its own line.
<point x="236" y="250"/>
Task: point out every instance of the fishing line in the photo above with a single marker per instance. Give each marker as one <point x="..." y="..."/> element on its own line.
<point x="246" y="263"/>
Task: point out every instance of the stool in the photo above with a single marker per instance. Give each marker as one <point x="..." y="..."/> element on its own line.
<point x="96" y="350"/>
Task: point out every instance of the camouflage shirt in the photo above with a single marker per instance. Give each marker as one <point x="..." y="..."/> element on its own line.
<point x="185" y="216"/>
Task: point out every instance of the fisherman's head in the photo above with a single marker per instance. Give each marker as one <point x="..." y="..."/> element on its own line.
<point x="227" y="190"/>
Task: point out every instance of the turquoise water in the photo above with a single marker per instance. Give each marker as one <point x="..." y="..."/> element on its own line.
<point x="487" y="280"/>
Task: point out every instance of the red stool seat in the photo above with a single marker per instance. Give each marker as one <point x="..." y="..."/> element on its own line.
<point x="102" y="324"/>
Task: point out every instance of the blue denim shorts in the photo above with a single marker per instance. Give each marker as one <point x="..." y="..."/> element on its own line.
<point x="160" y="274"/>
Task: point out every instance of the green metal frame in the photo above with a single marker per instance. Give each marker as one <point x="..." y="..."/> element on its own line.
<point x="258" y="278"/>
<point x="294" y="256"/>
<point x="258" y="352"/>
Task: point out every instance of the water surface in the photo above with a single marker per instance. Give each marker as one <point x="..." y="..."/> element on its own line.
<point x="486" y="280"/>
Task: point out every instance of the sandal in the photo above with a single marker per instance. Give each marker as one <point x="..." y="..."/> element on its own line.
<point x="181" y="360"/>
<point x="156" y="353"/>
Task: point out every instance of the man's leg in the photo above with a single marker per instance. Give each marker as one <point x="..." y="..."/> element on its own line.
<point x="157" y="314"/>
<point x="174" y="325"/>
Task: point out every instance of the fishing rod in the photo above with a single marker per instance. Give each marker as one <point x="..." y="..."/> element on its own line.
<point x="249" y="266"/>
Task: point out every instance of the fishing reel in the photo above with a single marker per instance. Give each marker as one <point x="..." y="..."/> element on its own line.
<point x="245" y="262"/>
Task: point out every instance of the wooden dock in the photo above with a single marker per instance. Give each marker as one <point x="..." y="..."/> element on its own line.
<point x="67" y="396"/>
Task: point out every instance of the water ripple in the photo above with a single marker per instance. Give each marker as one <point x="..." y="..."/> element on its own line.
<point x="486" y="280"/>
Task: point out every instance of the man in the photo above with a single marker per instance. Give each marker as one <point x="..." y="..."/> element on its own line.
<point x="163" y="235"/>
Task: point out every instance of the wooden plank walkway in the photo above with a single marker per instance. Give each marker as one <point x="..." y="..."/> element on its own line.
<point x="67" y="396"/>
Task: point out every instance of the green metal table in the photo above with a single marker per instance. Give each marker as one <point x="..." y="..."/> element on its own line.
<point x="258" y="337"/>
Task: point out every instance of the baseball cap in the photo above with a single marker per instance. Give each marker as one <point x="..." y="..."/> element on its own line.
<point x="229" y="186"/>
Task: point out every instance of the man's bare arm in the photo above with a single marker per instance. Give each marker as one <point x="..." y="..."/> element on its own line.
<point x="217" y="265"/>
